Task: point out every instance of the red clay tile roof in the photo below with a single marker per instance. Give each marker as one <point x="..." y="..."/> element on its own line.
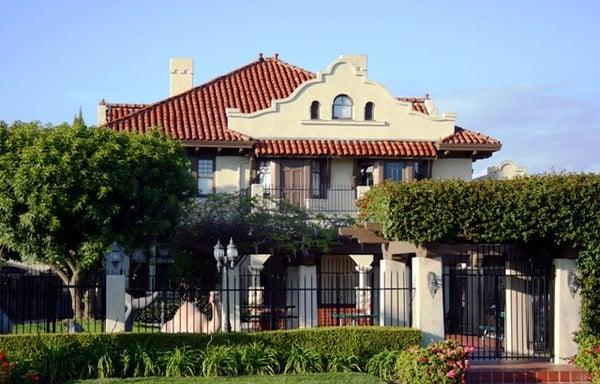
<point x="466" y="136"/>
<point x="418" y="103"/>
<point x="199" y="114"/>
<point x="341" y="148"/>
<point x="116" y="111"/>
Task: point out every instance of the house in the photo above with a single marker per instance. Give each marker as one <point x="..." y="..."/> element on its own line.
<point x="319" y="140"/>
<point x="507" y="169"/>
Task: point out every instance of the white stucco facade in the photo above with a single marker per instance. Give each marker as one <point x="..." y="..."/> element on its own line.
<point x="393" y="119"/>
<point x="452" y="169"/>
<point x="232" y="173"/>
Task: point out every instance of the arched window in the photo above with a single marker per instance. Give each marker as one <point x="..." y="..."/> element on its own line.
<point x="314" y="110"/>
<point x="342" y="107"/>
<point x="369" y="111"/>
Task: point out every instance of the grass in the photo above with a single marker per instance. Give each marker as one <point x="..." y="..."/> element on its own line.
<point x="89" y="326"/>
<point x="317" y="378"/>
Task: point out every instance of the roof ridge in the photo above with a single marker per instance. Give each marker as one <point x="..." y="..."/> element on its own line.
<point x="208" y="83"/>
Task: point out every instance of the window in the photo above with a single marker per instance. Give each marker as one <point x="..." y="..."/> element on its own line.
<point x="342" y="107"/>
<point x="206" y="169"/>
<point x="314" y="110"/>
<point x="421" y="170"/>
<point x="369" y="111"/>
<point x="365" y="169"/>
<point x="264" y="174"/>
<point x="393" y="170"/>
<point x="316" y="177"/>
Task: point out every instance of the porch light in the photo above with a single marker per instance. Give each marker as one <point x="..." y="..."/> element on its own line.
<point x="573" y="283"/>
<point x="232" y="253"/>
<point x="433" y="283"/>
<point x="219" y="254"/>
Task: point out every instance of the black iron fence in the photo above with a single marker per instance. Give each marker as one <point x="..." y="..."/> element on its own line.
<point x="500" y="303"/>
<point x="40" y="303"/>
<point x="327" y="199"/>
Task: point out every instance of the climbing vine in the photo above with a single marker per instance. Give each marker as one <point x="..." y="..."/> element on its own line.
<point x="550" y="210"/>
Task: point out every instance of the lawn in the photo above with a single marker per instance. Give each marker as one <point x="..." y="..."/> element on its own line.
<point x="318" y="378"/>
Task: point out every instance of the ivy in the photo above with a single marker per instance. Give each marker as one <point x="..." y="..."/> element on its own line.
<point x="549" y="210"/>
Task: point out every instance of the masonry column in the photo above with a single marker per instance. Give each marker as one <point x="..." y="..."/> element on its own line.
<point x="428" y="305"/>
<point x="115" y="290"/>
<point x="567" y="306"/>
<point x="364" y="301"/>
<point x="256" y="291"/>
<point x="394" y="293"/>
<point x="518" y="321"/>
<point x="307" y="302"/>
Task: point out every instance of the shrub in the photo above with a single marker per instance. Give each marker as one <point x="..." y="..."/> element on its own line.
<point x="340" y="362"/>
<point x="258" y="359"/>
<point x="57" y="360"/>
<point x="303" y="360"/>
<point x="98" y="361"/>
<point x="383" y="365"/>
<point x="7" y="369"/>
<point x="220" y="361"/>
<point x="445" y="362"/>
<point x="588" y="357"/>
<point x="180" y="362"/>
<point x="139" y="360"/>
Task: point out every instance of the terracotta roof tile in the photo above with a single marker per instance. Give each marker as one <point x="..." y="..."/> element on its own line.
<point x="466" y="136"/>
<point x="116" y="111"/>
<point x="374" y="148"/>
<point x="418" y="103"/>
<point x="199" y="114"/>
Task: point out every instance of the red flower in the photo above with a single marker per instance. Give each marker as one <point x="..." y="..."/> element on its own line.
<point x="2" y="356"/>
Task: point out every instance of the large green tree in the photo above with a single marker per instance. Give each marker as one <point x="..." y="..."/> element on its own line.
<point x="68" y="192"/>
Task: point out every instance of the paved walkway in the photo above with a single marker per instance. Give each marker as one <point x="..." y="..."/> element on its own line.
<point x="524" y="372"/>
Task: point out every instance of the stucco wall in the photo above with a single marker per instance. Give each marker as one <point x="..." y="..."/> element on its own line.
<point x="230" y="171"/>
<point x="393" y="119"/>
<point x="452" y="169"/>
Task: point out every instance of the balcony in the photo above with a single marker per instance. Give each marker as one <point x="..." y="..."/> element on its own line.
<point x="329" y="200"/>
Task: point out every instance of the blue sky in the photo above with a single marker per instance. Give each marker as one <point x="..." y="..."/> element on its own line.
<point x="526" y="72"/>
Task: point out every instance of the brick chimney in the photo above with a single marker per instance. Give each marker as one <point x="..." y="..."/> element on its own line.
<point x="181" y="75"/>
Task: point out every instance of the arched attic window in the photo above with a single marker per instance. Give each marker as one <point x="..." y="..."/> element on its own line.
<point x="369" y="111"/>
<point x="315" y="107"/>
<point x="342" y="107"/>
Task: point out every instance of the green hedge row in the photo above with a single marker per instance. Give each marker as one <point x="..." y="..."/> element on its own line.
<point x="360" y="341"/>
<point x="543" y="212"/>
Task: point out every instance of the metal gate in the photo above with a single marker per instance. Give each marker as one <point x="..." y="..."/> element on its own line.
<point x="498" y="301"/>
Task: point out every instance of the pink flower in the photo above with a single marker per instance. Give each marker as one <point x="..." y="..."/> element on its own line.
<point x="451" y="374"/>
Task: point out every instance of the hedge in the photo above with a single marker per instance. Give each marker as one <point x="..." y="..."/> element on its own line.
<point x="359" y="341"/>
<point x="542" y="212"/>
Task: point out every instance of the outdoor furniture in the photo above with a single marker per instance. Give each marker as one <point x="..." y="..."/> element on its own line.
<point x="269" y="316"/>
<point x="353" y="317"/>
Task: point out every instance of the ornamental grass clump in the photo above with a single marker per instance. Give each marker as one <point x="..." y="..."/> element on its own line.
<point x="383" y="365"/>
<point x="445" y="362"/>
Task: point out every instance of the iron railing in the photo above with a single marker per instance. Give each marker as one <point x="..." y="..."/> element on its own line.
<point x="324" y="199"/>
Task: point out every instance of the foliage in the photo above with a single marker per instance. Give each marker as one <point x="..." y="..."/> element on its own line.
<point x="341" y="362"/>
<point x="303" y="360"/>
<point x="7" y="368"/>
<point x="551" y="211"/>
<point x="383" y="365"/>
<point x="56" y="360"/>
<point x="360" y="341"/>
<point x="588" y="357"/>
<point x="259" y="359"/>
<point x="445" y="362"/>
<point x="180" y="362"/>
<point x="220" y="361"/>
<point x="98" y="360"/>
<point x="139" y="360"/>
<point x="67" y="192"/>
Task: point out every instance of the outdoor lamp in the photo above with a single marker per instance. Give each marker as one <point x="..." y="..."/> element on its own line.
<point x="232" y="253"/>
<point x="219" y="254"/>
<point x="573" y="283"/>
<point x="433" y="283"/>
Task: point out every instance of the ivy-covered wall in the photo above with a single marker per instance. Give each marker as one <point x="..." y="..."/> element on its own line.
<point x="547" y="211"/>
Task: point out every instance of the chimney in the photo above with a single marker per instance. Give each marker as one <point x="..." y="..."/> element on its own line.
<point x="181" y="75"/>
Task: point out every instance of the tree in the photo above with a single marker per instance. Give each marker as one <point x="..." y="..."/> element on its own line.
<point x="257" y="225"/>
<point x="68" y="192"/>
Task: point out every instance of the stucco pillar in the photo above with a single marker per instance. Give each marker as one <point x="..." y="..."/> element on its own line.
<point x="518" y="320"/>
<point x="115" y="290"/>
<point x="394" y="293"/>
<point x="307" y="296"/>
<point x="363" y="290"/>
<point x="567" y="305"/>
<point x="256" y="291"/>
<point x="428" y="306"/>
